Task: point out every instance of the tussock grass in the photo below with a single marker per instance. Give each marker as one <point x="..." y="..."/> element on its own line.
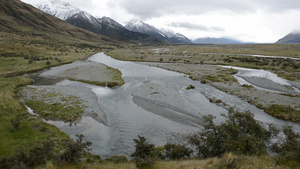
<point x="284" y="112"/>
<point x="229" y="160"/>
<point x="234" y="55"/>
<point x="32" y="128"/>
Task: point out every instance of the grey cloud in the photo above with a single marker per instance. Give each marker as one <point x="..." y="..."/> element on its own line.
<point x="194" y="26"/>
<point x="188" y="25"/>
<point x="146" y="9"/>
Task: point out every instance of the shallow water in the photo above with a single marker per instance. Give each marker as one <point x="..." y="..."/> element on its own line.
<point x="153" y="103"/>
<point x="263" y="80"/>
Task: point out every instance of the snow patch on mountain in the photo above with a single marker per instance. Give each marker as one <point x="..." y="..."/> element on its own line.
<point x="166" y="35"/>
<point x="61" y="10"/>
<point x="167" y="32"/>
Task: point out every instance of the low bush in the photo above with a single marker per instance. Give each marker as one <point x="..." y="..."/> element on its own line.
<point x="240" y="134"/>
<point x="288" y="148"/>
<point x="74" y="150"/>
<point x="284" y="112"/>
<point x="40" y="152"/>
<point x="143" y="155"/>
<point x="176" y="152"/>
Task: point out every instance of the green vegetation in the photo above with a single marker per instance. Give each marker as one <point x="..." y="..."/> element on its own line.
<point x="234" y="55"/>
<point x="114" y="78"/>
<point x="241" y="134"/>
<point x="30" y="128"/>
<point x="239" y="142"/>
<point x="190" y="87"/>
<point x="56" y="111"/>
<point x="39" y="153"/>
<point x="284" y="112"/>
<point x="53" y="105"/>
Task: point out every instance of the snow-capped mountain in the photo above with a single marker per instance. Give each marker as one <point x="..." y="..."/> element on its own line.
<point x="110" y="22"/>
<point x="61" y="10"/>
<point x="84" y="20"/>
<point x="175" y="37"/>
<point x="163" y="34"/>
<point x="141" y="27"/>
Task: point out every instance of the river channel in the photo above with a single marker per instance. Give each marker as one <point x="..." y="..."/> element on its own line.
<point x="153" y="103"/>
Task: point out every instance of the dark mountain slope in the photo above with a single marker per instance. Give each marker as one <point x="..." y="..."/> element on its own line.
<point x="107" y="26"/>
<point x="293" y="37"/>
<point x="18" y="17"/>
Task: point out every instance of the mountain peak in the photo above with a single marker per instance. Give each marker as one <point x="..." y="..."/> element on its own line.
<point x="165" y="35"/>
<point x="61" y="10"/>
<point x="293" y="37"/>
<point x="136" y="22"/>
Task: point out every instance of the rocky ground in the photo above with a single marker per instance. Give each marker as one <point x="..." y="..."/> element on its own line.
<point x="250" y="94"/>
<point x="85" y="71"/>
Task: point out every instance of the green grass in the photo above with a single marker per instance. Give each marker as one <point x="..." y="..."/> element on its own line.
<point x="31" y="129"/>
<point x="227" y="161"/>
<point x="53" y="105"/>
<point x="56" y="111"/>
<point x="115" y="79"/>
<point x="222" y="55"/>
<point x="19" y="58"/>
<point x="284" y="112"/>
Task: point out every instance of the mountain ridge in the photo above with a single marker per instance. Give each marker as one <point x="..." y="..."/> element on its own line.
<point x="105" y="25"/>
<point x="293" y="37"/>
<point x="20" y="18"/>
<point x="165" y="35"/>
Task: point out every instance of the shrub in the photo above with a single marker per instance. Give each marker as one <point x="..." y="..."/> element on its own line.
<point x="118" y="159"/>
<point x="176" y="152"/>
<point x="288" y="148"/>
<point x="38" y="154"/>
<point x="209" y="142"/>
<point x="240" y="134"/>
<point x="74" y="150"/>
<point x="190" y="87"/>
<point x="143" y="155"/>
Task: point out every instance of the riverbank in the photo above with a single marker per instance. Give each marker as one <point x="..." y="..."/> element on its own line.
<point x="263" y="99"/>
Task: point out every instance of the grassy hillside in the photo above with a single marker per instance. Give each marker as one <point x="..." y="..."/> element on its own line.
<point x="31" y="40"/>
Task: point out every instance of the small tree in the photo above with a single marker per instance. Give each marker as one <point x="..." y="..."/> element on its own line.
<point x="176" y="152"/>
<point x="38" y="154"/>
<point x="240" y="134"/>
<point x="75" y="149"/>
<point x="144" y="153"/>
<point x="244" y="135"/>
<point x="209" y="142"/>
<point x="288" y="148"/>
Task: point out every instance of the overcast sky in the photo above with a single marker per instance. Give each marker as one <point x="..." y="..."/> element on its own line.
<point x="262" y="21"/>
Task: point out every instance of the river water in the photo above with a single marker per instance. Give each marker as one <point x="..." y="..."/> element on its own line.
<point x="153" y="103"/>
